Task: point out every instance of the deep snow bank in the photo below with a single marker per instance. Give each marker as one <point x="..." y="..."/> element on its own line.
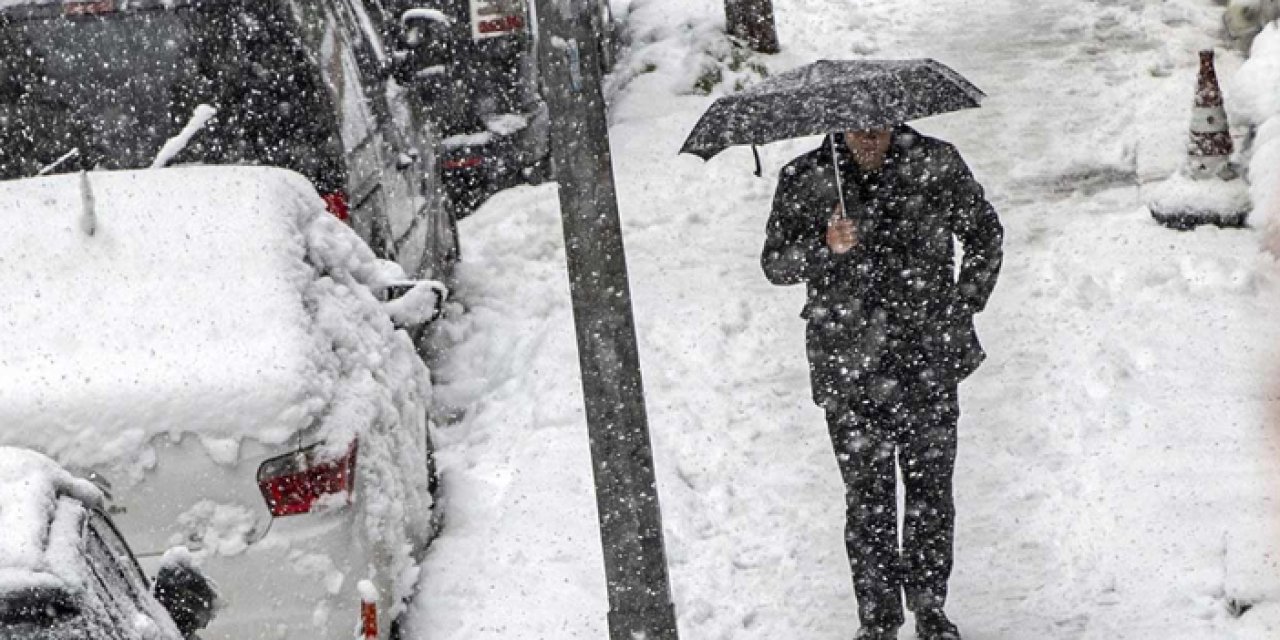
<point x="1256" y="89"/>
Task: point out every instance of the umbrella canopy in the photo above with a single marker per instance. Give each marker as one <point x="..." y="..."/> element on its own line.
<point x="829" y="96"/>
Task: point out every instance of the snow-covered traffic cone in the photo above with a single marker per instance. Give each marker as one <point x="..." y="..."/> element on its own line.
<point x="1208" y="189"/>
<point x="368" y="610"/>
<point x="1209" y="150"/>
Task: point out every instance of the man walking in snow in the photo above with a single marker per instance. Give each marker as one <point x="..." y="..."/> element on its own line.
<point x="890" y="336"/>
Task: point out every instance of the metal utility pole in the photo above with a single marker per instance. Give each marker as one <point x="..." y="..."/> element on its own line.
<point x="635" y="563"/>
<point x="752" y="21"/>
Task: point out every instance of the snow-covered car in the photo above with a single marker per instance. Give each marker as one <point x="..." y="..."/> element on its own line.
<point x="215" y="347"/>
<point x="88" y="84"/>
<point x="66" y="573"/>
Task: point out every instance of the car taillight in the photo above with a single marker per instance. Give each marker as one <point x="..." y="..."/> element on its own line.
<point x="465" y="162"/>
<point x="336" y="203"/>
<point x="291" y="484"/>
<point x="368" y="610"/>
<point x="500" y="25"/>
<point x="88" y="7"/>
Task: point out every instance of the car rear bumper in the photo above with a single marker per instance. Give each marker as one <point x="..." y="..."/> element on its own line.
<point x="501" y="156"/>
<point x="298" y="583"/>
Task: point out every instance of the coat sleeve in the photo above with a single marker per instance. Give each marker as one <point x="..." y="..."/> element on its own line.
<point x="794" y="250"/>
<point x="975" y="223"/>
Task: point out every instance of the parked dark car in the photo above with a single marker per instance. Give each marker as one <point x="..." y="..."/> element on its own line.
<point x="102" y="84"/>
<point x="77" y="579"/>
<point x="473" y="64"/>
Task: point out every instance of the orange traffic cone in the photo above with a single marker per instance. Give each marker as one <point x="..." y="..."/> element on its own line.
<point x="1207" y="189"/>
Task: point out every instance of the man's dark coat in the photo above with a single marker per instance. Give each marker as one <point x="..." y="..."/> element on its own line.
<point x="893" y="305"/>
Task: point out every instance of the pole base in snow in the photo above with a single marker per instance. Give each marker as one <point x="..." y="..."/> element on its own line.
<point x="1188" y="220"/>
<point x="1183" y="202"/>
<point x="653" y="623"/>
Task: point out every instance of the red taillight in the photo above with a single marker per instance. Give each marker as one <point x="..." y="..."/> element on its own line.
<point x="501" y="25"/>
<point x="336" y="203"/>
<point x="88" y="7"/>
<point x="464" y="162"/>
<point x="368" y="620"/>
<point x="292" y="483"/>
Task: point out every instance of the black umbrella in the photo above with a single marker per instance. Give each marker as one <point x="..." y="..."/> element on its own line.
<point x="830" y="96"/>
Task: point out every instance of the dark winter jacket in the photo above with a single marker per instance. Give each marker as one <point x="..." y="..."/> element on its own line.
<point x="892" y="306"/>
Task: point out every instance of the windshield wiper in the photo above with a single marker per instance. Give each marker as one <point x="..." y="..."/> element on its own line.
<point x="202" y="115"/>
<point x="59" y="162"/>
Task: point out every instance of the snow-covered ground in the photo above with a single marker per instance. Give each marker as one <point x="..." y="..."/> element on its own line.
<point x="1118" y="451"/>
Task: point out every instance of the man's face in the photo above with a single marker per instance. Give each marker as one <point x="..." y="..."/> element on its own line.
<point x="870" y="143"/>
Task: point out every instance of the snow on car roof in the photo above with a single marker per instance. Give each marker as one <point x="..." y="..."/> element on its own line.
<point x="183" y="312"/>
<point x="95" y="6"/>
<point x="34" y="518"/>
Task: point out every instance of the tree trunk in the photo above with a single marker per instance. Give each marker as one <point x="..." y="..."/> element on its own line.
<point x="752" y="21"/>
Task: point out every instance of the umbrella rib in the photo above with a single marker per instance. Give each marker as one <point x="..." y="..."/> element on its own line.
<point x="902" y="91"/>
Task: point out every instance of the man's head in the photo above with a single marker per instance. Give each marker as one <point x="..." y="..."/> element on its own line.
<point x="869" y="144"/>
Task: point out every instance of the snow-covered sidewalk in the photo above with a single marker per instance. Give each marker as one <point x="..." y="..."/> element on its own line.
<point x="1118" y="452"/>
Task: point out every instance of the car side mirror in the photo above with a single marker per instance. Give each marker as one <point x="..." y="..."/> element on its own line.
<point x="412" y="35"/>
<point x="415" y="303"/>
<point x="190" y="597"/>
<point x="421" y="25"/>
<point x="421" y="42"/>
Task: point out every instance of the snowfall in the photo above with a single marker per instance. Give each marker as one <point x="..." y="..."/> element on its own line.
<point x="1118" y="451"/>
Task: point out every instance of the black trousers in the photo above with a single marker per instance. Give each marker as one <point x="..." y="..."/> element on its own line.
<point x="911" y="421"/>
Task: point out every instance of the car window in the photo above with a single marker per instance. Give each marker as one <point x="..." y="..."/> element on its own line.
<point x="120" y="594"/>
<point x="97" y="84"/>
<point x="249" y="61"/>
<point x="366" y="38"/>
<point x="116" y="86"/>
<point x="343" y="73"/>
<point x="119" y="549"/>
<point x="113" y="591"/>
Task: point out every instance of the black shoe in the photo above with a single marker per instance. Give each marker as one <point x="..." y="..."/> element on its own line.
<point x="932" y="624"/>
<point x="877" y="633"/>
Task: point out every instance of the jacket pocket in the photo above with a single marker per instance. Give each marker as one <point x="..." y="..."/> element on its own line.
<point x="842" y="351"/>
<point x="953" y="345"/>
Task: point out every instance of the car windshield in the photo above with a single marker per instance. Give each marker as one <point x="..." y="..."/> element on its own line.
<point x="105" y="90"/>
<point x="116" y="86"/>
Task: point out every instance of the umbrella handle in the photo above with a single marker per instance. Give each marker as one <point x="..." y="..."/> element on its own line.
<point x="835" y="168"/>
